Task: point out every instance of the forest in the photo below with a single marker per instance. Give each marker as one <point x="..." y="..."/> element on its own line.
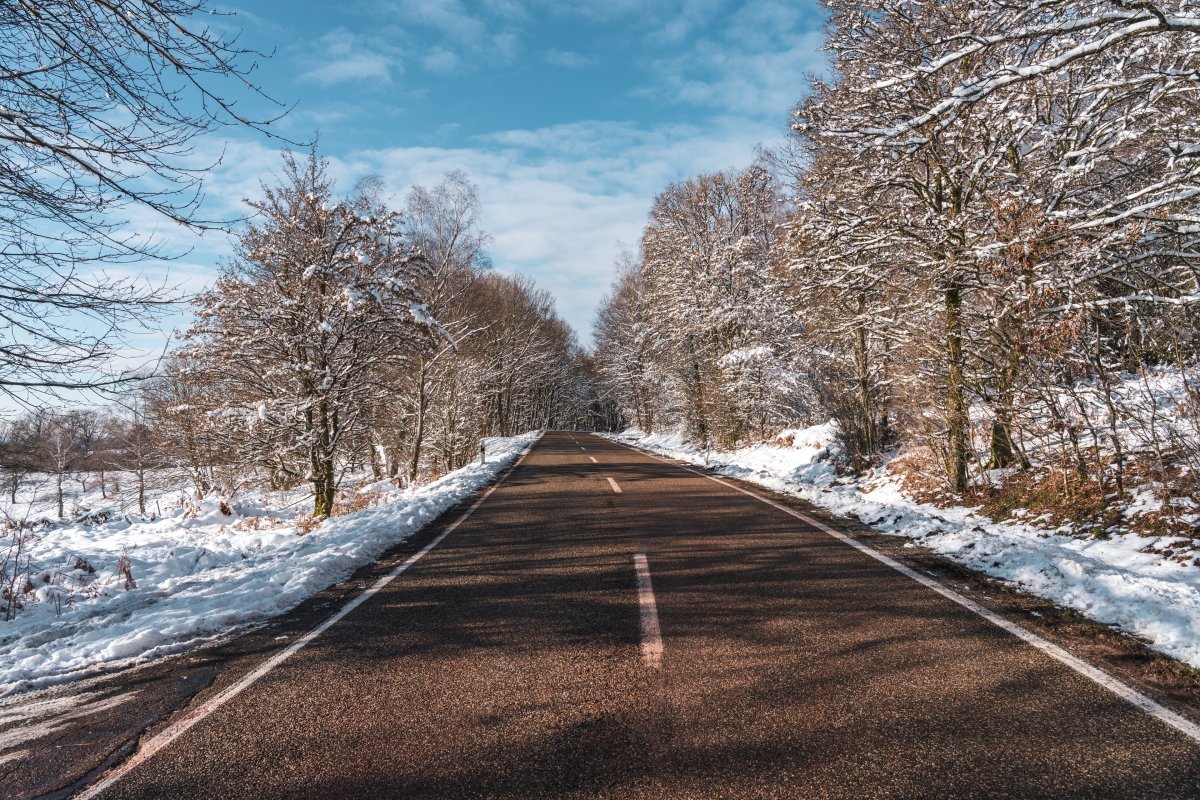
<point x="977" y="253"/>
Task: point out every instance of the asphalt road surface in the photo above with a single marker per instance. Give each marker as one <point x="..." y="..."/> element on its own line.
<point x="606" y="624"/>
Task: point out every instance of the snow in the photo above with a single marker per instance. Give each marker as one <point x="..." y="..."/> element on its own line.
<point x="201" y="573"/>
<point x="1120" y="581"/>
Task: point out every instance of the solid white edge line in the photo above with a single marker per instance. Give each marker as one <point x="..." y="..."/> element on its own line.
<point x="651" y="645"/>
<point x="614" y="485"/>
<point x="1127" y="693"/>
<point x="180" y="726"/>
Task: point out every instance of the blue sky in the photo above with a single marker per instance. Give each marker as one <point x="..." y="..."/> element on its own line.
<point x="570" y="117"/>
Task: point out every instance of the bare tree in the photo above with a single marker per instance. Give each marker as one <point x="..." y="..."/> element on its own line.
<point x="100" y="105"/>
<point x="443" y="224"/>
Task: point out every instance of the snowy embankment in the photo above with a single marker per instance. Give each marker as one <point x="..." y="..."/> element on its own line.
<point x="202" y="575"/>
<point x="1115" y="581"/>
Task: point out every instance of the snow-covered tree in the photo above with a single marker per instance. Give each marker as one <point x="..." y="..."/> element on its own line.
<point x="321" y="298"/>
<point x="629" y="351"/>
<point x="712" y="285"/>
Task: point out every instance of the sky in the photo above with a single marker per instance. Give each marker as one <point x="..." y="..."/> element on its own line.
<point x="569" y="116"/>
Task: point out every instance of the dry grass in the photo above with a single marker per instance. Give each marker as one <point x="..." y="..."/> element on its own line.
<point x="1060" y="496"/>
<point x="259" y="523"/>
<point x="349" y="502"/>
<point x="919" y="472"/>
<point x="307" y="523"/>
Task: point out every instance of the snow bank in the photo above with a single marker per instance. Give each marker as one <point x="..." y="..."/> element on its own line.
<point x="1111" y="581"/>
<point x="202" y="576"/>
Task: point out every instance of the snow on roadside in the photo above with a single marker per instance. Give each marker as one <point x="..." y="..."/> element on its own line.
<point x="1108" y="580"/>
<point x="204" y="576"/>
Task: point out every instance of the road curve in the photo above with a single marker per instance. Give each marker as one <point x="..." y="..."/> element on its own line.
<point x="609" y="625"/>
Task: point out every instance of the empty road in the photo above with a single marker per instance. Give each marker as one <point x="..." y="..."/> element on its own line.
<point x="606" y="624"/>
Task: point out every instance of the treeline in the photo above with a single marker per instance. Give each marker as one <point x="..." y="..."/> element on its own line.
<point x="86" y="446"/>
<point x="343" y="335"/>
<point x="698" y="330"/>
<point x="980" y="247"/>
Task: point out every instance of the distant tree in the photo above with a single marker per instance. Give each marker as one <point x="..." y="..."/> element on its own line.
<point x="629" y="351"/>
<point x="179" y="402"/>
<point x="19" y="448"/>
<point x="442" y="223"/>
<point x="138" y="448"/>
<point x="61" y="449"/>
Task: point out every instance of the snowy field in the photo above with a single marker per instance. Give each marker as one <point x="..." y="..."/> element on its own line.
<point x="1112" y="581"/>
<point x="199" y="572"/>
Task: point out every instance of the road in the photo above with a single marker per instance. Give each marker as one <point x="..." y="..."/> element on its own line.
<point x="606" y="624"/>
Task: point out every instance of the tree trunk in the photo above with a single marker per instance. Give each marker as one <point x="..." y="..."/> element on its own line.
<point x="321" y="458"/>
<point x="862" y="366"/>
<point x="322" y="485"/>
<point x="58" y="485"/>
<point x="701" y="422"/>
<point x="419" y="433"/>
<point x="956" y="405"/>
<point x="377" y="465"/>
<point x="1004" y="451"/>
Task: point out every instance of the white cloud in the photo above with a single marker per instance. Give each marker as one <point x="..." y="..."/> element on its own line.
<point x="346" y="57"/>
<point x="558" y="200"/>
<point x="568" y="59"/>
<point x="447" y="16"/>
<point x="361" y="67"/>
<point x="758" y="65"/>
<point x="441" y="61"/>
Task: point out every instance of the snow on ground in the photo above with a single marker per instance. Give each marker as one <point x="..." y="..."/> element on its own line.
<point x="1108" y="580"/>
<point x="201" y="575"/>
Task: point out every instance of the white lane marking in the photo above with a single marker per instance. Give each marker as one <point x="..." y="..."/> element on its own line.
<point x="651" y="645"/>
<point x="581" y="447"/>
<point x="593" y="458"/>
<point x="190" y="718"/>
<point x="615" y="488"/>
<point x="1127" y="693"/>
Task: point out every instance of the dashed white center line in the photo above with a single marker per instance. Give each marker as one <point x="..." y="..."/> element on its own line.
<point x="581" y="447"/>
<point x="651" y="646"/>
<point x="614" y="486"/>
<point x="593" y="458"/>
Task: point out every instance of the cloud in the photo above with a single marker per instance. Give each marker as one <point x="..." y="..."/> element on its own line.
<point x="559" y="200"/>
<point x="568" y="59"/>
<point x="441" y="61"/>
<point x="758" y="63"/>
<point x="446" y="16"/>
<point x="346" y="56"/>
